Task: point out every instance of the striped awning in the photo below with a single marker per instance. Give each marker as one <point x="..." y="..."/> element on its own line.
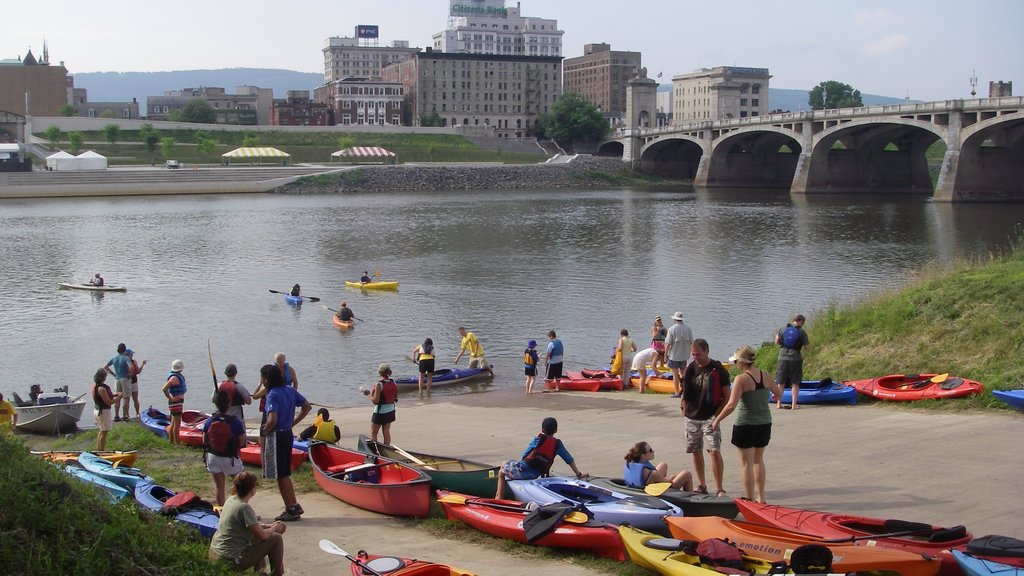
<point x="371" y="151"/>
<point x="256" y="152"/>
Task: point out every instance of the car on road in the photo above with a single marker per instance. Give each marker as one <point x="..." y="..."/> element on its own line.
<point x="173" y="164"/>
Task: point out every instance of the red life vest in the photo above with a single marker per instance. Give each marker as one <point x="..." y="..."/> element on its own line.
<point x="388" y="392"/>
<point x="543" y="454"/>
<point x="232" y="392"/>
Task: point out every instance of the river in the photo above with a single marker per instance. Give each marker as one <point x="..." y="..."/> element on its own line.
<point x="508" y="265"/>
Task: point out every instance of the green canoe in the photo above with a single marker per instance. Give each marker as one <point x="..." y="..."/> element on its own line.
<point x="446" y="473"/>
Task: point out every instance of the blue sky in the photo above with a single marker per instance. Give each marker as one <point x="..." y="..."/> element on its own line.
<point x="924" y="49"/>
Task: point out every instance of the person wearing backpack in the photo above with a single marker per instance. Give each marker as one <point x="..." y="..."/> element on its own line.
<point x="530" y="359"/>
<point x="791" y="339"/>
<point x="223" y="438"/>
<point x="537" y="459"/>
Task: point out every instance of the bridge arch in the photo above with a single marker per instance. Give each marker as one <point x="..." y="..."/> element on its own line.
<point x="873" y="155"/>
<point x="611" y="148"/>
<point x="674" y="157"/>
<point x="754" y="157"/>
<point x="991" y="154"/>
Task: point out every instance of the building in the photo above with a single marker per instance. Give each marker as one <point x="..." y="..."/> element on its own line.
<point x="664" y="106"/>
<point x="504" y="93"/>
<point x="86" y="109"/>
<point x="719" y="93"/>
<point x="297" y="109"/>
<point x="1000" y="89"/>
<point x="360" y="56"/>
<point x="600" y="76"/>
<point x="249" y="105"/>
<point x="488" y="27"/>
<point x="31" y="87"/>
<point x="364" y="101"/>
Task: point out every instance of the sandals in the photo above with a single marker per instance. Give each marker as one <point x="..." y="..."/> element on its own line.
<point x="702" y="489"/>
<point x="721" y="493"/>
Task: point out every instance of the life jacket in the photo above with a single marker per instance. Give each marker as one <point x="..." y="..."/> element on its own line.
<point x="388" y="392"/>
<point x="218" y="439"/>
<point x="542" y="456"/>
<point x="425" y="353"/>
<point x="345" y="314"/>
<point x="715" y="392"/>
<point x="325" y="431"/>
<point x="722" y="555"/>
<point x="556" y="348"/>
<point x="791" y="337"/>
<point x="286" y="372"/>
<point x="179" y="389"/>
<point x="228" y="386"/>
<point x="183" y="502"/>
<point x="530" y="357"/>
<point x="97" y="400"/>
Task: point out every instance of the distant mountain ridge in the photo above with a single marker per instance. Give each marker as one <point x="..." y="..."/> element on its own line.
<point x="123" y="86"/>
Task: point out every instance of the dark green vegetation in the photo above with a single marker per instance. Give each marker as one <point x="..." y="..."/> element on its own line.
<point x="964" y="321"/>
<point x="834" y="94"/>
<point x="572" y="119"/>
<point x="140" y="147"/>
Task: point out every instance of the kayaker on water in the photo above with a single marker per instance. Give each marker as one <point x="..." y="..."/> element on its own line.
<point x="639" y="471"/>
<point x="296" y="291"/>
<point x="96" y="280"/>
<point x="345" y="313"/>
<point x="365" y="278"/>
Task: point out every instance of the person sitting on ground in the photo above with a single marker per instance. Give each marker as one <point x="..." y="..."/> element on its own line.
<point x="241" y="540"/>
<point x="639" y="471"/>
<point x="537" y="459"/>
<point x="323" y="428"/>
<point x="345" y="313"/>
<point x="365" y="278"/>
<point x="96" y="280"/>
<point x="296" y="291"/>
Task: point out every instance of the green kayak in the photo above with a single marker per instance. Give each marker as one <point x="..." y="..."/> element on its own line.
<point x="446" y="473"/>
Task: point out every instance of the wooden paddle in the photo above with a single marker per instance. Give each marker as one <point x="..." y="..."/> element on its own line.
<point x="310" y="298"/>
<point x="411" y="458"/>
<point x="572" y="517"/>
<point x="658" y="488"/>
<point x="332" y="548"/>
<point x="213" y="371"/>
<point x="335" y="311"/>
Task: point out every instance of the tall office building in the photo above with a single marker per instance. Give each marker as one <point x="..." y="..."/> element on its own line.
<point x="488" y="27"/>
<point x="361" y="56"/>
<point x="719" y="93"/>
<point x="600" y="76"/>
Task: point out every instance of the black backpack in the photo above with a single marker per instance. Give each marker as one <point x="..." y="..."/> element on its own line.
<point x="218" y="439"/>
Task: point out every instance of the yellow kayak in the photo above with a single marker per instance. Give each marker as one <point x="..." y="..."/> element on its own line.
<point x="121" y="458"/>
<point x="375" y="285"/>
<point x="666" y="555"/>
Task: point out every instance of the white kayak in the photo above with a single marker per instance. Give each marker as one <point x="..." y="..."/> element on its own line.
<point x="91" y="288"/>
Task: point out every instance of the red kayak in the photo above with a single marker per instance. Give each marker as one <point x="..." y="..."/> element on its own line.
<point x="253" y="455"/>
<point x="911" y="536"/>
<point x="504" y="519"/>
<point x="370" y="482"/>
<point x="394" y="566"/>
<point x="606" y="379"/>
<point x="574" y="385"/>
<point x="909" y="387"/>
<point x="191" y="431"/>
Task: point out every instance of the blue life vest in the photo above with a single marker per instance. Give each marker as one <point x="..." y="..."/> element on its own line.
<point x="178" y="389"/>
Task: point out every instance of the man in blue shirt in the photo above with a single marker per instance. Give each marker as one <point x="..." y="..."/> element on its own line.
<point x="122" y="374"/>
<point x="553" y="358"/>
<point x="282" y="401"/>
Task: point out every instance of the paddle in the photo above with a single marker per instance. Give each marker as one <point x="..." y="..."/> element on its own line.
<point x="940" y="378"/>
<point x="658" y="488"/>
<point x="213" y="372"/>
<point x="937" y="535"/>
<point x="411" y="458"/>
<point x="573" y="517"/>
<point x="325" y="307"/>
<point x="332" y="548"/>
<point x="310" y="298"/>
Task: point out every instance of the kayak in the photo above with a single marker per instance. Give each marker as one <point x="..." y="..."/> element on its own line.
<point x="661" y="384"/>
<point x="504" y="519"/>
<point x="374" y="285"/>
<point x="607" y="380"/>
<point x="910" y="387"/>
<point x="611" y="506"/>
<point x="1014" y="398"/>
<point x="775" y="544"/>
<point x="587" y="381"/>
<point x="114" y="491"/>
<point x="395" y="566"/>
<point x="674" y="557"/>
<point x="445" y="472"/>
<point x="444" y="377"/>
<point x="573" y="385"/>
<point x="190" y="433"/>
<point x="155" y="421"/>
<point x="293" y="300"/>
<point x="252" y="455"/>
<point x="815" y="392"/>
<point x="691" y="503"/>
<point x="979" y="566"/>
<point x="370" y="482"/>
<point x="152" y="496"/>
<point x="121" y="458"/>
<point x="342" y="324"/>
<point x="125" y="476"/>
<point x="90" y="287"/>
<point x="931" y="540"/>
<point x="999" y="549"/>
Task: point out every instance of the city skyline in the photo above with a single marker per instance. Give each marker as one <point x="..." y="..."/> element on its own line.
<point x="913" y="48"/>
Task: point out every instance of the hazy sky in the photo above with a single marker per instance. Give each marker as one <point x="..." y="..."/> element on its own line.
<point x="925" y="49"/>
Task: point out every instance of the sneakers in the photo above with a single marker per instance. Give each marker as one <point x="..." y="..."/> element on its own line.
<point x="297" y="509"/>
<point x="675" y="396"/>
<point x="117" y="418"/>
<point x="291" y="514"/>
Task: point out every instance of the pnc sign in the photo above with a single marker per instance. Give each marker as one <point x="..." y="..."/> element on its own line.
<point x="494" y="8"/>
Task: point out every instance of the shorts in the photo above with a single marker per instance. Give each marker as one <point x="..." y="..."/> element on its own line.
<point x="104" y="419"/>
<point x="530" y="370"/>
<point x="658" y="345"/>
<point x="751" y="435"/>
<point x="277" y="454"/>
<point x="263" y="422"/>
<point x="700" y="436"/>
<point x="383" y="417"/>
<point x="789" y="372"/>
<point x="223" y="465"/>
<point x="478" y="362"/>
<point x="123" y="385"/>
<point x="554" y="371"/>
<point x="517" y="470"/>
<point x="680" y="364"/>
<point x="427" y="366"/>
<point x="176" y="408"/>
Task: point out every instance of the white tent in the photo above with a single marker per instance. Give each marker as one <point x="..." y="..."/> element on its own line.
<point x="90" y="160"/>
<point x="60" y="160"/>
<point x="360" y="153"/>
<point x="258" y="153"/>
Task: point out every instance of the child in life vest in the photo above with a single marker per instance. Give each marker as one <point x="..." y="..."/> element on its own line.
<point x="530" y="359"/>
<point x="323" y="428"/>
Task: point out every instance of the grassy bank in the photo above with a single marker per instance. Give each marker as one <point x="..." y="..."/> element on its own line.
<point x="964" y="319"/>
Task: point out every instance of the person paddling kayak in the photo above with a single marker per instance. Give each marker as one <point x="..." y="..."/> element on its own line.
<point x="345" y="313"/>
<point x="97" y="280"/>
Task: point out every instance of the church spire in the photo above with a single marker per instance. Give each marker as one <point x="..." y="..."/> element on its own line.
<point x="46" y="52"/>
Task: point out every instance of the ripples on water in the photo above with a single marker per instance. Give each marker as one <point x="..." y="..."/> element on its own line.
<point x="509" y="265"/>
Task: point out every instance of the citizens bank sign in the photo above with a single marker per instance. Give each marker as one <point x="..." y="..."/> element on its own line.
<point x="478" y="8"/>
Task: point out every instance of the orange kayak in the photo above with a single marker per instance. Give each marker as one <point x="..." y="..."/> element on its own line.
<point x="343" y="324"/>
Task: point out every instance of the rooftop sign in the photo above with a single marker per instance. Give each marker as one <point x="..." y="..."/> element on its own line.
<point x="493" y="8"/>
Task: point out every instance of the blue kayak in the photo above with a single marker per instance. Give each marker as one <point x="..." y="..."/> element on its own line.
<point x="152" y="497"/>
<point x="821" y="392"/>
<point x="444" y="377"/>
<point x="293" y="300"/>
<point x="116" y="493"/>
<point x="124" y="476"/>
<point x="155" y="421"/>
<point x="975" y="566"/>
<point x="1014" y="398"/>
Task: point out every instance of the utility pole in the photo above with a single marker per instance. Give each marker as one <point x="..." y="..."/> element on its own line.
<point x="974" y="83"/>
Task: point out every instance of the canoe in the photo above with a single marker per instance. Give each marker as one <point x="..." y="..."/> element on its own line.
<point x="342" y="324"/>
<point x="190" y="433"/>
<point x="978" y="566"/>
<point x="659" y="384"/>
<point x="611" y="506"/>
<point x="125" y="476"/>
<point x="395" y="566"/>
<point x="90" y="287"/>
<point x="122" y="458"/>
<point x="370" y="482"/>
<point x="152" y="496"/>
<point x="114" y="491"/>
<point x="910" y="387"/>
<point x="999" y="549"/>
<point x="504" y="519"/>
<point x="933" y="540"/>
<point x="57" y="418"/>
<point x="1014" y="398"/>
<point x="155" y="421"/>
<point x="668" y="555"/>
<point x="775" y="544"/>
<point x="374" y="285"/>
<point x="444" y="377"/>
<point x="448" y="473"/>
<point x="813" y="392"/>
<point x="607" y="380"/>
<point x="691" y="503"/>
<point x="252" y="455"/>
<point x="293" y="300"/>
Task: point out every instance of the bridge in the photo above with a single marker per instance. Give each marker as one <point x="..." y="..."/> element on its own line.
<point x="877" y="149"/>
